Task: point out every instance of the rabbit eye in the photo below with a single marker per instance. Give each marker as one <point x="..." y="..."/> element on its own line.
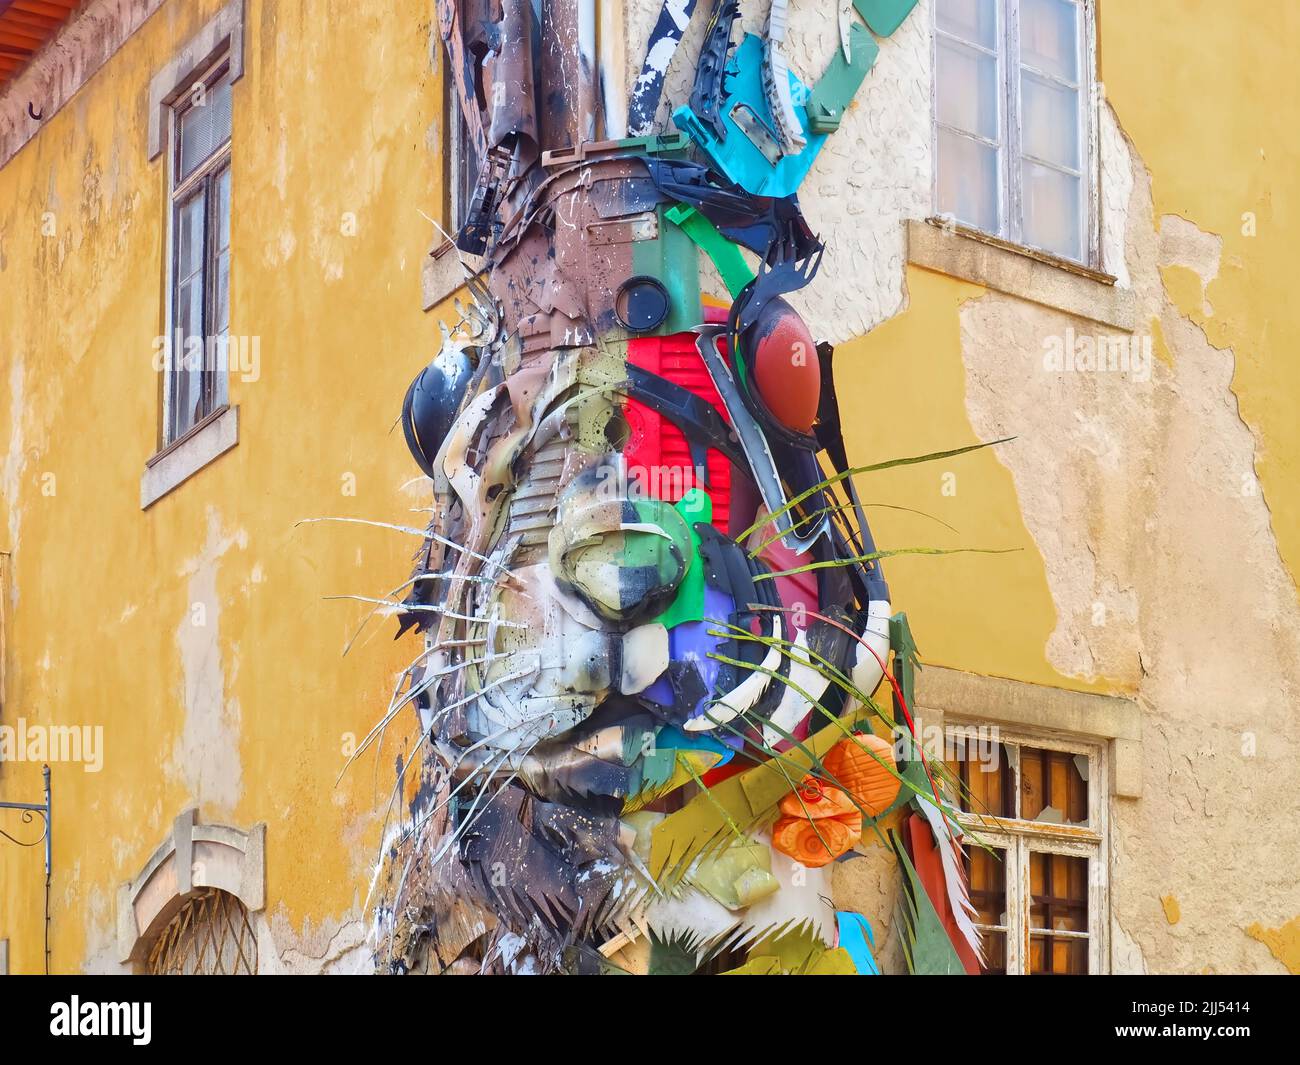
<point x="786" y="367"/>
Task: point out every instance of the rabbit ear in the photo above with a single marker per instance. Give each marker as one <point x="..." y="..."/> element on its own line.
<point x="665" y="37"/>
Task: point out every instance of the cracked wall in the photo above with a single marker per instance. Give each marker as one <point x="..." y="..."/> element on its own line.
<point x="1150" y="512"/>
<point x="196" y="632"/>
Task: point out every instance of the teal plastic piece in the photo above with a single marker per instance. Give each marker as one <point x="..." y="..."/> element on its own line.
<point x="726" y="255"/>
<point x="838" y="85"/>
<point x="750" y="154"/>
<point x="884" y="16"/>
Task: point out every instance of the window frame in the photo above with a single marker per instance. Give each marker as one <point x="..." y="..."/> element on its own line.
<point x="1019" y="838"/>
<point x="202" y="181"/>
<point x="1010" y="171"/>
<point x="461" y="174"/>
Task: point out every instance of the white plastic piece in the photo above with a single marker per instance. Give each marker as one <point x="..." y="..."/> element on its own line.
<point x="869" y="668"/>
<point x="793" y="706"/>
<point x="645" y="657"/>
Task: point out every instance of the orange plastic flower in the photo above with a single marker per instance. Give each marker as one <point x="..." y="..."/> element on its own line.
<point x="851" y="765"/>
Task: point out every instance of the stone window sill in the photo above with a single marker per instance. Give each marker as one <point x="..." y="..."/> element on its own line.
<point x="183" y="458"/>
<point x="1019" y="704"/>
<point x="442" y="276"/>
<point x="1021" y="272"/>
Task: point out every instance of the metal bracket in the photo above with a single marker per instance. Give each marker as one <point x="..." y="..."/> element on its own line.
<point x="28" y="809"/>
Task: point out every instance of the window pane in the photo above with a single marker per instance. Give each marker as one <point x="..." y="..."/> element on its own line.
<point x="984" y="774"/>
<point x="971" y="20"/>
<point x="189" y="225"/>
<point x="968" y="181"/>
<point x="986" y="870"/>
<point x="987" y="879"/>
<point x="966" y="86"/>
<point x="1049" y="118"/>
<point x="1049" y="37"/>
<point x="1053" y="211"/>
<point x="187" y="369"/>
<point x="1053" y="786"/>
<point x="186" y="378"/>
<point x="995" y="953"/>
<point x="222" y="209"/>
<point x="1053" y="956"/>
<point x="1058" y="885"/>
<point x="204" y="126"/>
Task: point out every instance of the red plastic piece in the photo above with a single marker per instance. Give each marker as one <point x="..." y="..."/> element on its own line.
<point x="924" y="852"/>
<point x="656" y="450"/>
<point x="786" y="367"/>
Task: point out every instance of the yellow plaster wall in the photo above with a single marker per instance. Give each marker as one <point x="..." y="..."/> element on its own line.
<point x="1219" y="141"/>
<point x="336" y="112"/>
<point x="902" y="390"/>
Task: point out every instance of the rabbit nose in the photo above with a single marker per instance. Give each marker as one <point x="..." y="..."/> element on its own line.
<point x="625" y="557"/>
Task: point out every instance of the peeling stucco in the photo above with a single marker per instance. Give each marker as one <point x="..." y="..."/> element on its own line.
<point x="1167" y="580"/>
<point x="206" y="754"/>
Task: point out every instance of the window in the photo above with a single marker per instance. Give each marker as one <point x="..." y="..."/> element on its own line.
<point x="209" y="935"/>
<point x="1013" y="130"/>
<point x="1036" y="850"/>
<point x="462" y="165"/>
<point x="199" y="296"/>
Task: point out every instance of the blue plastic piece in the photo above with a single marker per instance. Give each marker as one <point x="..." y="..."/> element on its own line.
<point x="856" y="937"/>
<point x="750" y="153"/>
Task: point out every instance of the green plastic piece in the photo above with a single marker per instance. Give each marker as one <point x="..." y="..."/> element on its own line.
<point x="726" y="256"/>
<point x="655" y="144"/>
<point x="827" y="103"/>
<point x="905" y="663"/>
<point x="688" y="605"/>
<point x="673" y="258"/>
<point x="884" y="16"/>
<point x="926" y="946"/>
<point x="648" y="551"/>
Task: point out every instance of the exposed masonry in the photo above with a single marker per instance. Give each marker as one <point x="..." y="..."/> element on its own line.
<point x="1144" y="503"/>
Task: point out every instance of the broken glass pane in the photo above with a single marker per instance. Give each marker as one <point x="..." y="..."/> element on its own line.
<point x="1051" y="787"/>
<point x="984" y="774"/>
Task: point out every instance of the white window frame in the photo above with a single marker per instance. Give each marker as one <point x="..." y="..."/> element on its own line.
<point x="1010" y="173"/>
<point x="178" y="193"/>
<point x="1019" y="838"/>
